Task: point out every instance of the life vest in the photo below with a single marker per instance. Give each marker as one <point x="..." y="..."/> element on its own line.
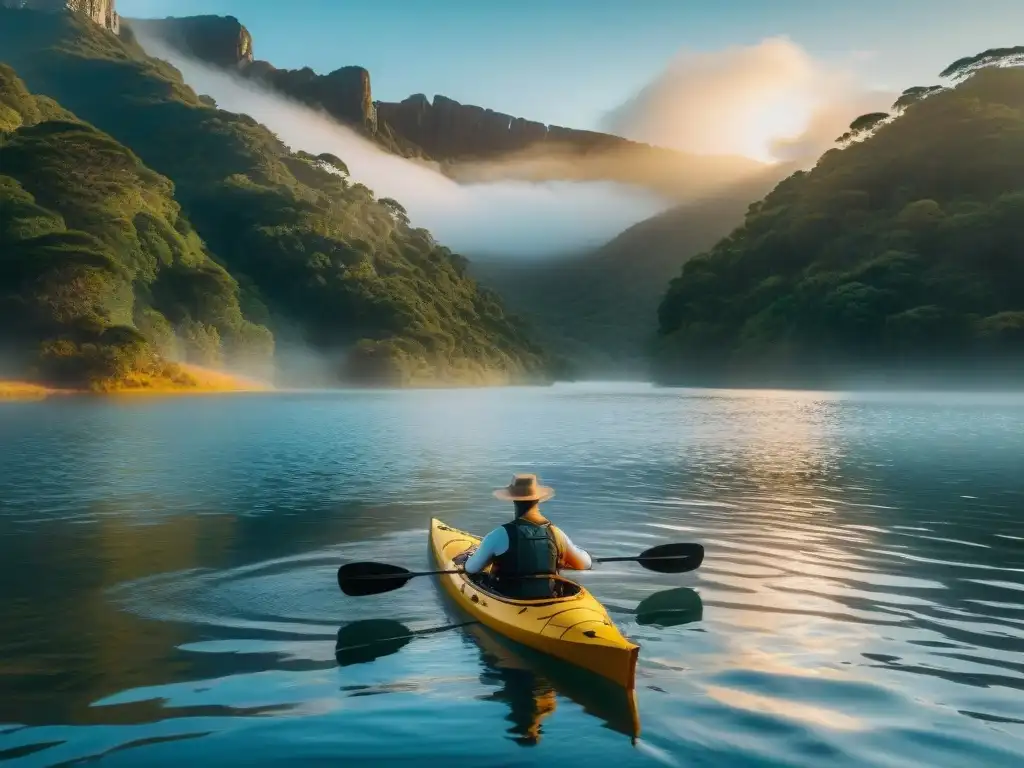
<point x="532" y="552"/>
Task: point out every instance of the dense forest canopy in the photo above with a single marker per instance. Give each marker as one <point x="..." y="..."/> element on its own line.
<point x="102" y="279"/>
<point x="902" y="252"/>
<point x="231" y="233"/>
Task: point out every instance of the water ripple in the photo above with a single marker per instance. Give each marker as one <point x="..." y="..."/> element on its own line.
<point x="861" y="602"/>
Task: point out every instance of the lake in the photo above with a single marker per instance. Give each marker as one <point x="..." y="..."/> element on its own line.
<point x="169" y="596"/>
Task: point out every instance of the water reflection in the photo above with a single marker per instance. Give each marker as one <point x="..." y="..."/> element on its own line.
<point x="364" y="641"/>
<point x="529" y="683"/>
<point x="172" y="560"/>
<point x="666" y="608"/>
<point x="670" y="608"/>
<point x="531" y="680"/>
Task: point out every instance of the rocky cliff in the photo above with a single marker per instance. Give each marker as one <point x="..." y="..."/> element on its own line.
<point x="475" y="145"/>
<point x="218" y="40"/>
<point x="471" y="143"/>
<point x="102" y="12"/>
<point x="224" y="42"/>
<point x="449" y="130"/>
<point x="344" y="93"/>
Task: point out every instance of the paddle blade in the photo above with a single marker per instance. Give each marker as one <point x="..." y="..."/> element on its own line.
<point x="361" y="579"/>
<point x="672" y="558"/>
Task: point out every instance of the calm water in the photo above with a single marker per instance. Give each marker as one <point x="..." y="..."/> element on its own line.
<point x="168" y="578"/>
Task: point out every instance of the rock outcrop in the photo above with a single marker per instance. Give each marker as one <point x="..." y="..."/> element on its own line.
<point x="224" y="42"/>
<point x="219" y="40"/>
<point x="448" y="130"/>
<point x="470" y="143"/>
<point x="101" y="12"/>
<point x="344" y="93"/>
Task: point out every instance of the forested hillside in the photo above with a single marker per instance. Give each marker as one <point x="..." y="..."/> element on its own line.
<point x="102" y="279"/>
<point x="265" y="238"/>
<point x="900" y="254"/>
<point x="599" y="308"/>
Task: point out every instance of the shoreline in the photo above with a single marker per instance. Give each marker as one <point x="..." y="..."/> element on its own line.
<point x="208" y="382"/>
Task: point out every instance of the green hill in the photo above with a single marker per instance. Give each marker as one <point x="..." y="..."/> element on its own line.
<point x="288" y="241"/>
<point x="101" y="277"/>
<point x="899" y="255"/>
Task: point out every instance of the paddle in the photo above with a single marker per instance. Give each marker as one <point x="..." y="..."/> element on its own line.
<point x="367" y="578"/>
<point x="665" y="558"/>
<point x="361" y="579"/>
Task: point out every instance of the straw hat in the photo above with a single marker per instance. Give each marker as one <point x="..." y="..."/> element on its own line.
<point x="525" y="488"/>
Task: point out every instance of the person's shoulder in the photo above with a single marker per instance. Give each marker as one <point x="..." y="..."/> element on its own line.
<point x="497" y="533"/>
<point x="558" y="532"/>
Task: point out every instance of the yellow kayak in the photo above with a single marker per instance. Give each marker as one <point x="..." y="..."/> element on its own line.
<point x="575" y="628"/>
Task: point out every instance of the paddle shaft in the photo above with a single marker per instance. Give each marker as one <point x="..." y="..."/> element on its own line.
<point x="664" y="558"/>
<point x="441" y="573"/>
<point x="409" y="575"/>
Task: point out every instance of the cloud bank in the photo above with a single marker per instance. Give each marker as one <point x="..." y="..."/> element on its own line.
<point x="506" y="218"/>
<point x="771" y="101"/>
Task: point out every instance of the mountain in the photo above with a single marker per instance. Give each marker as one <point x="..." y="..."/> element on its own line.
<point x="190" y="228"/>
<point x="100" y="12"/>
<point x="470" y="143"/>
<point x="899" y="257"/>
<point x="598" y="308"/>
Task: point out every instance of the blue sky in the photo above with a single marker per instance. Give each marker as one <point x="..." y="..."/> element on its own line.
<point x="568" y="62"/>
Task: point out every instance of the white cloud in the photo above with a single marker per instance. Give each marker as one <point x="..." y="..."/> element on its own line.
<point x="770" y="101"/>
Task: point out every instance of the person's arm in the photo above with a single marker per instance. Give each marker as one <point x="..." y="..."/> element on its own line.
<point x="571" y="556"/>
<point x="493" y="544"/>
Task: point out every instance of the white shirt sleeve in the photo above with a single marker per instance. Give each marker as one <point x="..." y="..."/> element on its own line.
<point x="493" y="544"/>
<point x="578" y="559"/>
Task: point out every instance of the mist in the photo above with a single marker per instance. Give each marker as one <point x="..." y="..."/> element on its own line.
<point x="487" y="219"/>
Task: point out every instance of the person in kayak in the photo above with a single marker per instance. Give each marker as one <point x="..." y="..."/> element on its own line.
<point x="527" y="552"/>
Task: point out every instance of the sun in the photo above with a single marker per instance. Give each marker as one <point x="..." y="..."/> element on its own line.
<point x="767" y="117"/>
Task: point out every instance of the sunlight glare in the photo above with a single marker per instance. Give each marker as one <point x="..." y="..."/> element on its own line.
<point x="772" y="117"/>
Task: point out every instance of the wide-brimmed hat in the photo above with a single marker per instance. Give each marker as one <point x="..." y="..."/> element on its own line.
<point x="525" y="488"/>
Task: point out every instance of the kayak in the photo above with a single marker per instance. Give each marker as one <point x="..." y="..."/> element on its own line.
<point x="574" y="627"/>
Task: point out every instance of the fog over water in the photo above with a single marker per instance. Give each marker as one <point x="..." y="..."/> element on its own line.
<point x="515" y="218"/>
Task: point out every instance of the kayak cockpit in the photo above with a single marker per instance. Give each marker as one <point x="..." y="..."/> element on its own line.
<point x="562" y="590"/>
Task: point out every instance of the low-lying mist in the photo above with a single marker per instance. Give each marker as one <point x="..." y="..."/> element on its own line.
<point x="494" y="218"/>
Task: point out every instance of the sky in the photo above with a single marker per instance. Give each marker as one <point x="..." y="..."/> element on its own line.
<point x="572" y="62"/>
<point x="770" y="80"/>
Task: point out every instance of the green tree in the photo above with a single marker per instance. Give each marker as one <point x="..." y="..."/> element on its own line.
<point x="901" y="252"/>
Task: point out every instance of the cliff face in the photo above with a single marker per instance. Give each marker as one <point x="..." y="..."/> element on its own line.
<point x="218" y="40"/>
<point x="344" y="93"/>
<point x="224" y="42"/>
<point x="472" y="144"/>
<point x="102" y="12"/>
<point x="449" y="130"/>
<point x="445" y="129"/>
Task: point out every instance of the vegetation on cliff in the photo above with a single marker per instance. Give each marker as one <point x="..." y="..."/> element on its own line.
<point x="272" y="239"/>
<point x="102" y="280"/>
<point x="899" y="253"/>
